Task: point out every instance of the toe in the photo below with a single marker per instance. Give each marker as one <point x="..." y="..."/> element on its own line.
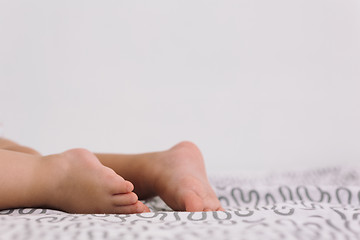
<point x="193" y="202"/>
<point x="124" y="199"/>
<point x="213" y="206"/>
<point x="144" y="208"/>
<point x="129" y="187"/>
<point x="138" y="207"/>
<point x="211" y="201"/>
<point x="122" y="186"/>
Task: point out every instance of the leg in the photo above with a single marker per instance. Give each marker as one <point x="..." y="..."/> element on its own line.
<point x="12" y="146"/>
<point x="177" y="175"/>
<point x="17" y="177"/>
<point x="74" y="181"/>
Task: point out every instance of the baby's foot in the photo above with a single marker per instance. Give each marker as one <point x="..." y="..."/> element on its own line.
<point x="182" y="182"/>
<point x="76" y="182"/>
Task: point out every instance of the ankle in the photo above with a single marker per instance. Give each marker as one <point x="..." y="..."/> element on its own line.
<point x="50" y="170"/>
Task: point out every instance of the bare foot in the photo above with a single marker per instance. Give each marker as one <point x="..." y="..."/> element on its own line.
<point x="76" y="182"/>
<point x="182" y="182"/>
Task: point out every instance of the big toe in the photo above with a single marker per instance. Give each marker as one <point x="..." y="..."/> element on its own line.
<point x="195" y="203"/>
<point x="192" y="202"/>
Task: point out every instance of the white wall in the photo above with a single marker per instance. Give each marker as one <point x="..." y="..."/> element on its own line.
<point x="256" y="84"/>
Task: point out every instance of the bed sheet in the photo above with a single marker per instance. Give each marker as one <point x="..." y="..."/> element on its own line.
<point x="315" y="204"/>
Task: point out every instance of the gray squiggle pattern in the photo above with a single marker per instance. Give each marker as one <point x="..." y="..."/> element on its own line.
<point x="272" y="207"/>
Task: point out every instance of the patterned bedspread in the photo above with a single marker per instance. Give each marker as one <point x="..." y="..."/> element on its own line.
<point x="317" y="204"/>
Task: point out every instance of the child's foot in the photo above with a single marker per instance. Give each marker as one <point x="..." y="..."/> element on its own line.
<point x="76" y="182"/>
<point x="181" y="179"/>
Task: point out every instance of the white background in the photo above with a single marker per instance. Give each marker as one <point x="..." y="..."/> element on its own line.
<point x="257" y="84"/>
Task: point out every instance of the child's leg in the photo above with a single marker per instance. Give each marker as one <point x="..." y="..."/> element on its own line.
<point x="74" y="181"/>
<point x="177" y="175"/>
<point x="17" y="180"/>
<point x="6" y="144"/>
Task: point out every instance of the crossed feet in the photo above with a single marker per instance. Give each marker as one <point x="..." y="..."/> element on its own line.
<point x="77" y="182"/>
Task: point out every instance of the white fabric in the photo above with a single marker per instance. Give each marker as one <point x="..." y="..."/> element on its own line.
<point x="319" y="204"/>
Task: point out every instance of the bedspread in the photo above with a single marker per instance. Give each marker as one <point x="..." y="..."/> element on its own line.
<point x="314" y="204"/>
